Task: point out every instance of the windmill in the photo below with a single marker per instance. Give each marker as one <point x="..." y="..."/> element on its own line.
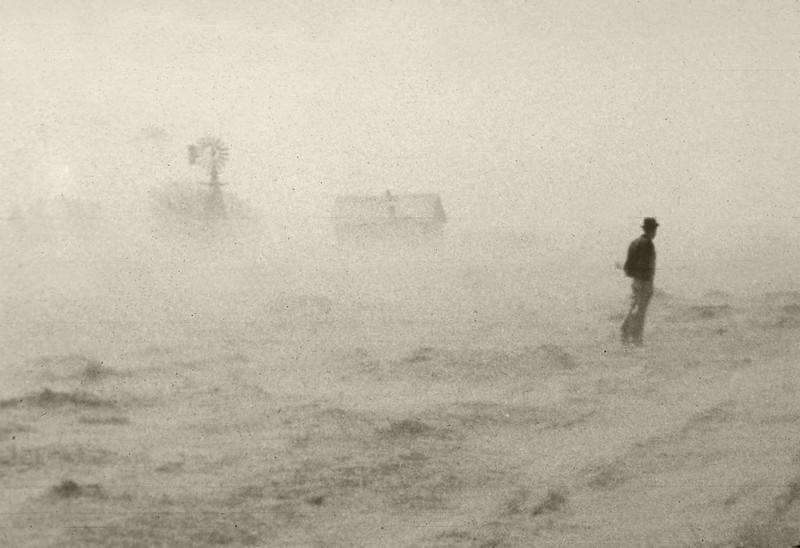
<point x="211" y="154"/>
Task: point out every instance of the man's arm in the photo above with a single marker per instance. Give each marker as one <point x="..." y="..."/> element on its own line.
<point x="632" y="259"/>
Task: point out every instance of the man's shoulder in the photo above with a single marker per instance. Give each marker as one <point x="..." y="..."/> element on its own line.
<point x="636" y="242"/>
<point x="642" y="244"/>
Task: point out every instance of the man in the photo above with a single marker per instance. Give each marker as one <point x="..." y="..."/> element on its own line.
<point x="641" y="266"/>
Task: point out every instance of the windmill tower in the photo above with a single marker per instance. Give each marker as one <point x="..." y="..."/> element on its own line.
<point x="211" y="154"/>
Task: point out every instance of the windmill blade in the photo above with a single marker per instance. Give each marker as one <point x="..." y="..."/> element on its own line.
<point x="210" y="152"/>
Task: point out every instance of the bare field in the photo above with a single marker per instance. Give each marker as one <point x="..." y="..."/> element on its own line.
<point x="363" y="400"/>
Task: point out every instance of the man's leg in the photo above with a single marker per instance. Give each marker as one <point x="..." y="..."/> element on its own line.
<point x="627" y="325"/>
<point x="644" y="292"/>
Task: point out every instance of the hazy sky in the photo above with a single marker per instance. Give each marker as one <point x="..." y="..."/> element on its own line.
<point x="519" y="113"/>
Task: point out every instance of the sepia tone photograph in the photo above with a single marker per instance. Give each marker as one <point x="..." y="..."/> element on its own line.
<point x="399" y="273"/>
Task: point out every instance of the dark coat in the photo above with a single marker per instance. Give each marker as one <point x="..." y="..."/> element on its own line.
<point x="641" y="261"/>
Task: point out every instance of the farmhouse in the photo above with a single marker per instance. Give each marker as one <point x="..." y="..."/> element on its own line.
<point x="388" y="215"/>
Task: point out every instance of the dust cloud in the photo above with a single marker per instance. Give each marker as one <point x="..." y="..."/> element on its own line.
<point x="195" y="356"/>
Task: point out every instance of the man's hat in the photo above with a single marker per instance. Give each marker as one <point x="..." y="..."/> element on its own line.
<point x="649" y="223"/>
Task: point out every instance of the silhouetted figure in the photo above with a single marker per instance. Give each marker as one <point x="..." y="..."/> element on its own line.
<point x="641" y="266"/>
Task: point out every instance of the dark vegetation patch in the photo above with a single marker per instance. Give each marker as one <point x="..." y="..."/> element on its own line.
<point x="421" y="354"/>
<point x="792" y="309"/>
<point x="553" y="501"/>
<point x="777" y="526"/>
<point x="85" y="368"/>
<point x="710" y="311"/>
<point x="413" y="456"/>
<point x="710" y="418"/>
<point x="94" y="370"/>
<point x="776" y="418"/>
<point x="789" y="315"/>
<point x="317" y="500"/>
<point x="670" y="452"/>
<point x="402" y="467"/>
<point x="317" y="424"/>
<point x="764" y="535"/>
<point x="734" y="498"/>
<point x="93" y="456"/>
<point x="789" y="322"/>
<point x="478" y="365"/>
<point x="405" y="461"/>
<point x="169" y="467"/>
<point x="460" y="536"/>
<point x="10" y="430"/>
<point x="783" y="309"/>
<point x="182" y="523"/>
<point x="496" y="541"/>
<point x="410" y="428"/>
<point x="682" y="449"/>
<point x="489" y="414"/>
<point x="714" y="313"/>
<point x="247" y="493"/>
<point x="21" y="459"/>
<point x="52" y="398"/>
<point x="17" y="460"/>
<point x="788" y="498"/>
<point x="419" y="486"/>
<point x="518" y="502"/>
<point x="105" y="420"/>
<point x="607" y="477"/>
<point x="320" y="422"/>
<point x="781" y="297"/>
<point x="531" y="510"/>
<point x="419" y="483"/>
<point x="349" y="464"/>
<point x="70" y="489"/>
<point x="361" y="362"/>
<point x="552" y="356"/>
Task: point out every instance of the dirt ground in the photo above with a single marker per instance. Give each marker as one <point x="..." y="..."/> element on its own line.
<point x="444" y="413"/>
